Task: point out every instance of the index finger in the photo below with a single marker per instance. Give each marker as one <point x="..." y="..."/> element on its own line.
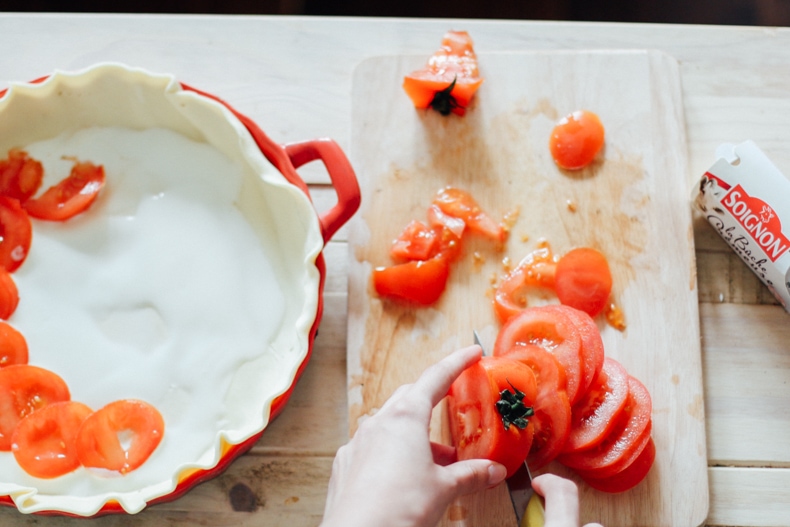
<point x="435" y="382"/>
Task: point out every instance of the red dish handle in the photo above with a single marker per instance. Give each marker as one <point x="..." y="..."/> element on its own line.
<point x="340" y="172"/>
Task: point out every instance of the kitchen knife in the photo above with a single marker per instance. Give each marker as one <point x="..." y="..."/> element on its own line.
<point x="519" y="485"/>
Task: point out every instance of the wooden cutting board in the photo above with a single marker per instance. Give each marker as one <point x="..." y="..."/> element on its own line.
<point x="633" y="205"/>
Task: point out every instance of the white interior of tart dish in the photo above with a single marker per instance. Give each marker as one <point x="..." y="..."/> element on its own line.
<point x="144" y="357"/>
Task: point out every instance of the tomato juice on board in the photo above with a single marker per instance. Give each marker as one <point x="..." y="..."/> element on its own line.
<point x="745" y="198"/>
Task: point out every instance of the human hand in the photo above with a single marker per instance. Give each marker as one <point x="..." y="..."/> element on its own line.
<point x="391" y="474"/>
<point x="562" y="501"/>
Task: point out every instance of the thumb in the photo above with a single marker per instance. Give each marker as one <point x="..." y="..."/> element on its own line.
<point x="474" y="475"/>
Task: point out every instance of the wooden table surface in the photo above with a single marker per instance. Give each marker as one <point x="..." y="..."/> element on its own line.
<point x="292" y="75"/>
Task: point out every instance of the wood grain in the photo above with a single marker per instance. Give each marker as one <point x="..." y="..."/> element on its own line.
<point x="632" y="205"/>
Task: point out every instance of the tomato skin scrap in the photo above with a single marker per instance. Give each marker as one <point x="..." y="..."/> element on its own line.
<point x="98" y="443"/>
<point x="454" y="64"/>
<point x="9" y="295"/>
<point x="537" y="269"/>
<point x="13" y="346"/>
<point x="422" y="282"/>
<point x="576" y="140"/>
<point x="44" y="442"/>
<point x="72" y="195"/>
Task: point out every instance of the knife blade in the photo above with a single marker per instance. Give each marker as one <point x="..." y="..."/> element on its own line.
<point x="519" y="485"/>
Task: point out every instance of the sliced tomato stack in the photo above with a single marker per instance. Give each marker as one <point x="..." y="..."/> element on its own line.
<point x="423" y="251"/>
<point x="590" y="414"/>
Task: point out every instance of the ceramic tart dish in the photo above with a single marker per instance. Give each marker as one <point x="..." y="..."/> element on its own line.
<point x="194" y="282"/>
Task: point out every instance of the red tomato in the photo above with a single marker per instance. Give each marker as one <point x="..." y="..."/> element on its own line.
<point x="99" y="442"/>
<point x="478" y="429"/>
<point x="631" y="476"/>
<point x="23" y="390"/>
<point x="13" y="346"/>
<point x="535" y="270"/>
<point x="592" y="352"/>
<point x="623" y="444"/>
<point x="71" y="196"/>
<point x="583" y="280"/>
<point x="20" y="175"/>
<point x="16" y="233"/>
<point x="596" y="414"/>
<point x="437" y="218"/>
<point x="9" y="294"/>
<point x="460" y="204"/>
<point x="417" y="241"/>
<point x="449" y="80"/>
<point x="422" y="282"/>
<point x="576" y="140"/>
<point x="44" y="442"/>
<point x="552" y="419"/>
<point x="552" y="330"/>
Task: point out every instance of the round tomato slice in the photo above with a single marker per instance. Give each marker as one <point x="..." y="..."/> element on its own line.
<point x="120" y="436"/>
<point x="576" y="140"/>
<point x="16" y="233"/>
<point x="583" y="280"/>
<point x="479" y="426"/>
<point x="9" y="294"/>
<point x="596" y="414"/>
<point x="23" y="390"/>
<point x="13" y="346"/>
<point x="44" y="441"/>
<point x="535" y="270"/>
<point x="20" y="175"/>
<point x="592" y="352"/>
<point x="623" y="444"/>
<point x="422" y="282"/>
<point x="629" y="477"/>
<point x="552" y="419"/>
<point x="552" y="330"/>
<point x="71" y="196"/>
<point x="460" y="204"/>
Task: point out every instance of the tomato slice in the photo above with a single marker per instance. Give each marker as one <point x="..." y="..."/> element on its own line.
<point x="417" y="241"/>
<point x="623" y="444"/>
<point x="583" y="280"/>
<point x="120" y="436"/>
<point x="478" y="429"/>
<point x="9" y="294"/>
<point x="535" y="270"/>
<point x="460" y="204"/>
<point x="16" y="232"/>
<point x="422" y="282"/>
<point x="20" y="175"/>
<point x="449" y="80"/>
<point x="71" y="196"/>
<point x="629" y="477"/>
<point x="23" y="390"/>
<point x="592" y="352"/>
<point x="596" y="414"/>
<point x="552" y="330"/>
<point x="576" y="140"/>
<point x="44" y="442"/>
<point x="552" y="419"/>
<point x="13" y="346"/>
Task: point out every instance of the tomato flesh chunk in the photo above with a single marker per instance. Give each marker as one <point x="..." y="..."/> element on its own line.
<point x="13" y="346"/>
<point x="417" y="241"/>
<point x="460" y="204"/>
<point x="25" y="389"/>
<point x="576" y="140"/>
<point x="44" y="442"/>
<point x="9" y="295"/>
<point x="422" y="282"/>
<point x="99" y="443"/>
<point x="583" y="280"/>
<point x="71" y="196"/>
<point x="20" y="175"/>
<point x="16" y="233"/>
<point x="537" y="269"/>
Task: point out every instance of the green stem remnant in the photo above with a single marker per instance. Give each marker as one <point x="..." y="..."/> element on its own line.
<point x="511" y="407"/>
<point x="443" y="101"/>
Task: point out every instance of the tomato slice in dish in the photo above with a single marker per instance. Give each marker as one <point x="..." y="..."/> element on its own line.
<point x="9" y="295"/>
<point x="460" y="204"/>
<point x="23" y="390"/>
<point x="576" y="140"/>
<point x="596" y="414"/>
<point x="554" y="331"/>
<point x="449" y="80"/>
<point x="629" y="477"/>
<point x="13" y="346"/>
<point x="592" y="352"/>
<point x="120" y="436"/>
<point x="535" y="270"/>
<point x="489" y="407"/>
<point x="623" y="444"/>
<point x="44" y="442"/>
<point x="20" y="175"/>
<point x="72" y="195"/>
<point x="552" y="419"/>
<point x="583" y="280"/>
<point x="417" y="241"/>
<point x="422" y="282"/>
<point x="16" y="232"/>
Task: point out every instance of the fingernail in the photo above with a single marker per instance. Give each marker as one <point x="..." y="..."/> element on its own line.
<point x="496" y="473"/>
